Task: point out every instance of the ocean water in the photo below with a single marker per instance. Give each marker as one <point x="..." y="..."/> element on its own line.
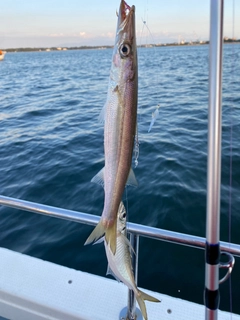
<point x="51" y="145"/>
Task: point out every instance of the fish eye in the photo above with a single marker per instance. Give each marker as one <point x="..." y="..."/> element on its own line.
<point x="124" y="215"/>
<point x="125" y="50"/>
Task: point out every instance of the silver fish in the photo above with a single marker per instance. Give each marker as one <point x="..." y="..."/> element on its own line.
<point x="120" y="116"/>
<point x="119" y="265"/>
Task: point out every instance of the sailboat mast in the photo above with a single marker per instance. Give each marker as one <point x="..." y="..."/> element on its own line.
<point x="211" y="294"/>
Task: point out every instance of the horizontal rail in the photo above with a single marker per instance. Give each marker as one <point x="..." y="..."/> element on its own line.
<point x="137" y="229"/>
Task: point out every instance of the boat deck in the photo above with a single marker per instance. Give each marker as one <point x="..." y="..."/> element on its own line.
<point x="33" y="289"/>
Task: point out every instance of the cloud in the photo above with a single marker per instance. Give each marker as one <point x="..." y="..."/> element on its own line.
<point x="109" y="35"/>
<point x="56" y="35"/>
<point x="82" y="34"/>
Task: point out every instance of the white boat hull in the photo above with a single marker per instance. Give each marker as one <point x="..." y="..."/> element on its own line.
<point x="33" y="289"/>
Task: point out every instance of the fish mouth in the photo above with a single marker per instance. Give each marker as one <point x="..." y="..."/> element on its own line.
<point x="125" y="16"/>
<point x="125" y="9"/>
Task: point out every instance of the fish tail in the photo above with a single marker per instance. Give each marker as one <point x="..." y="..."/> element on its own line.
<point x="142" y="306"/>
<point x="111" y="236"/>
<point x="141" y="296"/>
<point x="146" y="296"/>
<point x="97" y="233"/>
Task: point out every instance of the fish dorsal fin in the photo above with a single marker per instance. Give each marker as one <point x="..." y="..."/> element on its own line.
<point x="109" y="271"/>
<point x="132" y="181"/>
<point x="99" y="177"/>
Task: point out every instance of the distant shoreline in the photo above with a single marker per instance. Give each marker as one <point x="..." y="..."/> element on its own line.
<point x="30" y="49"/>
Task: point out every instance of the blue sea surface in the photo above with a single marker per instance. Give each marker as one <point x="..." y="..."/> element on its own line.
<point x="51" y="145"/>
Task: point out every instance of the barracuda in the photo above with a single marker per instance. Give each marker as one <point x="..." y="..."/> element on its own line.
<point x="119" y="115"/>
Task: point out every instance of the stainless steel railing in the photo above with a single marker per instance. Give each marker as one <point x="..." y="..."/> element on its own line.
<point x="135" y="230"/>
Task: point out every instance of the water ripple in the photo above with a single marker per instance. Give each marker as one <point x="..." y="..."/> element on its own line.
<point x="51" y="145"/>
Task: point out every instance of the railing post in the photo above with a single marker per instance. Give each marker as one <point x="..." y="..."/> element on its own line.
<point x="131" y="313"/>
<point x="212" y="256"/>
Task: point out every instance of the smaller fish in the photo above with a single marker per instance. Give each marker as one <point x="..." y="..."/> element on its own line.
<point x="155" y="114"/>
<point x="119" y="265"/>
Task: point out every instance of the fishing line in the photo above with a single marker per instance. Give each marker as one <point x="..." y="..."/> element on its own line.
<point x="126" y="206"/>
<point x="231" y="156"/>
<point x="140" y="44"/>
<point x="230" y="142"/>
<point x="149" y="33"/>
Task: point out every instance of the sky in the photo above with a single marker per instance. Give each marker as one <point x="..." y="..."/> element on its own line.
<point x="66" y="23"/>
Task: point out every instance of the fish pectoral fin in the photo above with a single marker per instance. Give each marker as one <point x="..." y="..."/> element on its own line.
<point x="132" y="181"/>
<point x="111" y="237"/>
<point x="99" y="177"/>
<point x="141" y="296"/>
<point x="109" y="271"/>
<point x="97" y="233"/>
